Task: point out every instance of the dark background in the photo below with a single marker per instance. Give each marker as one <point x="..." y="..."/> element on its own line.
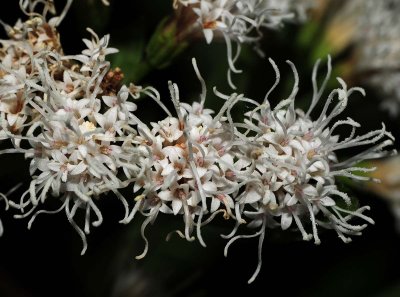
<point x="46" y="261"/>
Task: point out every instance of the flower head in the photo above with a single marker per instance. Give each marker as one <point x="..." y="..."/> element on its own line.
<point x="371" y="28"/>
<point x="74" y="120"/>
<point x="241" y="21"/>
<point x="293" y="164"/>
<point x="69" y="115"/>
<point x="185" y="167"/>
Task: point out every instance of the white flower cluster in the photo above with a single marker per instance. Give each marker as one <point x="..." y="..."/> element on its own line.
<point x="71" y="117"/>
<point x="276" y="168"/>
<point x="381" y="47"/>
<point x="241" y="21"/>
<point x="294" y="165"/>
<point x="377" y="43"/>
<point x="186" y="167"/>
<point x="379" y="32"/>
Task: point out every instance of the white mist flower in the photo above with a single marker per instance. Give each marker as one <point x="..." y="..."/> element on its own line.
<point x="372" y="29"/>
<point x="379" y="49"/>
<point x="379" y="34"/>
<point x="186" y="168"/>
<point x="294" y="165"/>
<point x="73" y="120"/>
<point x="69" y="115"/>
<point x="27" y="57"/>
<point x="240" y="21"/>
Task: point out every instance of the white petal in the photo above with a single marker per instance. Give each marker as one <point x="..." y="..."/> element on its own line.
<point x="229" y="201"/>
<point x="123" y="93"/>
<point x="54" y="166"/>
<point x="215" y="13"/>
<point x="276" y="186"/>
<point x="136" y="187"/>
<point x="327" y="201"/>
<point x="94" y="172"/>
<point x="83" y="150"/>
<point x="174" y="153"/>
<point x="167" y="170"/>
<point x="187" y="173"/>
<point x="252" y="196"/>
<point x="255" y="223"/>
<point x="67" y="78"/>
<point x="286" y="221"/>
<point x="100" y="119"/>
<point x="109" y="100"/>
<point x="201" y="171"/>
<point x="208" y="34"/>
<point x="88" y="43"/>
<point x="209" y="187"/>
<point x="268" y="196"/>
<point x="78" y="169"/>
<point x="111" y="115"/>
<point x="290" y="200"/>
<point x="215" y="203"/>
<point x="310" y="191"/>
<point x="242" y="164"/>
<point x="64" y="176"/>
<point x="58" y="156"/>
<point x="55" y="186"/>
<point x="176" y="206"/>
<point x="227" y="160"/>
<point x="130" y="106"/>
<point x="165" y="209"/>
<point x="165" y="195"/>
<point x="12" y="118"/>
<point x="42" y="164"/>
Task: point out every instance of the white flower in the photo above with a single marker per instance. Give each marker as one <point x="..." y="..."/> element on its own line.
<point x="176" y="194"/>
<point x="378" y="46"/>
<point x="63" y="166"/>
<point x="78" y="128"/>
<point x="74" y="108"/>
<point x="124" y="107"/>
<point x="186" y="166"/>
<point x="69" y="115"/>
<point x="168" y="129"/>
<point x="97" y="49"/>
<point x="197" y="114"/>
<point x="372" y="31"/>
<point x="241" y="21"/>
<point x="295" y="164"/>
